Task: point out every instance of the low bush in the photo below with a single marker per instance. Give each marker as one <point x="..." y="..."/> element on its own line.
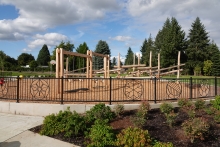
<point x="170" y="118"/>
<point x="216" y="103"/>
<point x="133" y="137"/>
<point x="67" y="122"/>
<point x="166" y="108"/>
<point x="183" y="102"/>
<point x="119" y="110"/>
<point x="210" y="110"/>
<point x="99" y="111"/>
<point x="163" y="144"/>
<point x="199" y="104"/>
<point x="195" y="128"/>
<point x="217" y="116"/>
<point x="100" y="134"/>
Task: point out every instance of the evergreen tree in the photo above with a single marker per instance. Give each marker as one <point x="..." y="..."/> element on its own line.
<point x="198" y="42"/>
<point x="148" y="45"/>
<point x="44" y="56"/>
<point x="64" y="45"/>
<point x="2" y="60"/>
<point x="169" y="41"/>
<point x="215" y="58"/>
<point x="102" y="48"/>
<point x="114" y="63"/>
<point x="129" y="57"/>
<point x="79" y="62"/>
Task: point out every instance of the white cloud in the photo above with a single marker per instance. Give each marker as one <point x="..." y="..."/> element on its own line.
<point x="35" y="16"/>
<point x="51" y="39"/>
<point x="121" y="38"/>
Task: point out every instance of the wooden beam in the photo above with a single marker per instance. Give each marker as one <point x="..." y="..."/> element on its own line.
<point x="128" y="66"/>
<point x="145" y="68"/>
<point x="75" y="54"/>
<point x="173" y="71"/>
<point x="97" y="54"/>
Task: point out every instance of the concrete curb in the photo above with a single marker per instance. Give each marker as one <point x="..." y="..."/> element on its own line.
<point x="38" y="109"/>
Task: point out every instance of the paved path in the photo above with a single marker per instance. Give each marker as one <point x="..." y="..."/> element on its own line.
<point x="14" y="132"/>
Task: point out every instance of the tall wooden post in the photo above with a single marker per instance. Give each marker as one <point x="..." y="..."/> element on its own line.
<point x="138" y="73"/>
<point x="87" y="65"/>
<point x="67" y="67"/>
<point x="57" y="63"/>
<point x="178" y="66"/>
<point x="119" y="64"/>
<point x="158" y="63"/>
<point x="108" y="66"/>
<point x="90" y="71"/>
<point x="105" y="67"/>
<point x="150" y="64"/>
<point x="133" y="62"/>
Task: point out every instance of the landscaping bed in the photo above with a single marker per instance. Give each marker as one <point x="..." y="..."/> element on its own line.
<point x="160" y="130"/>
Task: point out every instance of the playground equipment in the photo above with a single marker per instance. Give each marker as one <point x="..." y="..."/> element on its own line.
<point x="141" y="68"/>
<point x="89" y="63"/>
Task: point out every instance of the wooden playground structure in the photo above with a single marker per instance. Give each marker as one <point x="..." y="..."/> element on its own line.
<point x="141" y="68"/>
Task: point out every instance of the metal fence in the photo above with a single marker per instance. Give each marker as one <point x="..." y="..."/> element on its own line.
<point x="107" y="90"/>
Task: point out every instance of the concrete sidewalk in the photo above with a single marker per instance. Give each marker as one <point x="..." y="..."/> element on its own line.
<point x="14" y="132"/>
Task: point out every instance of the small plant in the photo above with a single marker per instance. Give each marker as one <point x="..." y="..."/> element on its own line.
<point x="199" y="104"/>
<point x="195" y="128"/>
<point x="119" y="109"/>
<point x="71" y="123"/>
<point x="166" y="108"/>
<point x="216" y="103"/>
<point x="210" y="110"/>
<point x="140" y="117"/>
<point x="133" y="137"/>
<point x="100" y="134"/>
<point x="183" y="102"/>
<point x="163" y="144"/>
<point x="191" y="111"/>
<point x="170" y="117"/>
<point x="99" y="111"/>
<point x="217" y="117"/>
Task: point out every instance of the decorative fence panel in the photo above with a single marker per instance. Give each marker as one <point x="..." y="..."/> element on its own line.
<point x="108" y="90"/>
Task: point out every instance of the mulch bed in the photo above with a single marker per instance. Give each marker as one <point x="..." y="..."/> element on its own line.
<point x="159" y="130"/>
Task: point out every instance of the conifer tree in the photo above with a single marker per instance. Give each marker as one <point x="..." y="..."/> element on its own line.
<point x="44" y="56"/>
<point x="198" y="43"/>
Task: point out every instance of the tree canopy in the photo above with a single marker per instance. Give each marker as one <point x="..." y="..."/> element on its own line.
<point x="102" y="48"/>
<point x="44" y="56"/>
<point x="25" y="59"/>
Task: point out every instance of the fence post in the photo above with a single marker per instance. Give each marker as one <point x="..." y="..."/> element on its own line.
<point x="17" y="89"/>
<point x="216" y="86"/>
<point x="110" y="90"/>
<point x="190" y="81"/>
<point x="62" y="90"/>
<point x="155" y="89"/>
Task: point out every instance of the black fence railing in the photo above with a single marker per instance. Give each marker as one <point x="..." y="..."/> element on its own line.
<point x="107" y="90"/>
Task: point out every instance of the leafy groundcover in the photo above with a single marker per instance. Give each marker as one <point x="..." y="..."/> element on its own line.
<point x="190" y="125"/>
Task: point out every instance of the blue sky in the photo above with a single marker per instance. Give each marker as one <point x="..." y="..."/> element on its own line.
<point x="26" y="25"/>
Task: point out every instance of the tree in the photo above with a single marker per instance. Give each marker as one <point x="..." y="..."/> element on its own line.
<point x="148" y="45"/>
<point x="64" y="45"/>
<point x="215" y="58"/>
<point x="129" y="57"/>
<point x="44" y="56"/>
<point x="207" y="67"/>
<point x="102" y="48"/>
<point x="169" y="41"/>
<point x="198" y="42"/>
<point x="33" y="65"/>
<point x="25" y="59"/>
<point x="114" y="63"/>
<point x="79" y="62"/>
<point x="2" y="60"/>
<point x="10" y="63"/>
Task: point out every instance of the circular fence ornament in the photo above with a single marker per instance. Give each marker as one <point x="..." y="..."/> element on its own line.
<point x="133" y="89"/>
<point x="204" y="87"/>
<point x="173" y="89"/>
<point x="39" y="88"/>
<point x="3" y="87"/>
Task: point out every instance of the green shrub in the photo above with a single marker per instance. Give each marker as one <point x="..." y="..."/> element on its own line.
<point x="100" y="134"/>
<point x="183" y="102"/>
<point x="119" y="110"/>
<point x="190" y="110"/>
<point x="71" y="123"/>
<point x="216" y="103"/>
<point x="163" y="144"/>
<point x="210" y="110"/>
<point x="133" y="137"/>
<point x="217" y="116"/>
<point x="195" y="128"/>
<point x="140" y="118"/>
<point x="199" y="104"/>
<point x="99" y="111"/>
<point x="170" y="118"/>
<point x="166" y="108"/>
